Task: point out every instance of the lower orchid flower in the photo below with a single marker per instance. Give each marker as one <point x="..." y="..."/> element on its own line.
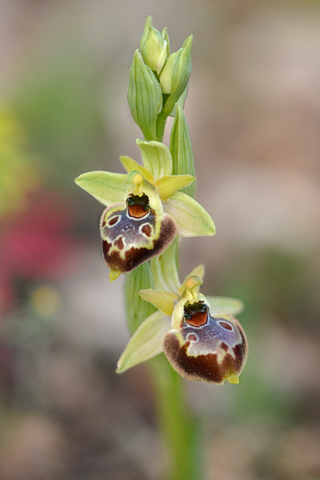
<point x="199" y="335"/>
<point x="145" y="210"/>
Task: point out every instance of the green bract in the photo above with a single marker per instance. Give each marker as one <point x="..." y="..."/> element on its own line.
<point x="145" y="211"/>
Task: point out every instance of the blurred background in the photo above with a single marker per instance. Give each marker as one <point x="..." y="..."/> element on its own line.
<point x="253" y="110"/>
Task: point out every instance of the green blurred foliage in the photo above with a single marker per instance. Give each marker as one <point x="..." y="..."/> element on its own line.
<point x="17" y="173"/>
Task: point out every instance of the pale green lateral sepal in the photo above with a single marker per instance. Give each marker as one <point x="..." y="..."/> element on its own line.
<point x="225" y="305"/>
<point x="146" y="342"/>
<point x="164" y="301"/>
<point x="169" y="184"/>
<point x="156" y="158"/>
<point x="131" y="165"/>
<point x="106" y="187"/>
<point x="164" y="269"/>
<point x="191" y="219"/>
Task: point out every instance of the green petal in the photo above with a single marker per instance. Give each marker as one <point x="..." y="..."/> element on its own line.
<point x="165" y="271"/>
<point x="146" y="342"/>
<point x="225" y="305"/>
<point x="167" y="185"/>
<point x="191" y="218"/>
<point x="156" y="158"/>
<point x="106" y="187"/>
<point x="131" y="165"/>
<point x="164" y="301"/>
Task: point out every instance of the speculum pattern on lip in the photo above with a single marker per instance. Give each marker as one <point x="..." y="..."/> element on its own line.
<point x="132" y="233"/>
<point x="209" y="348"/>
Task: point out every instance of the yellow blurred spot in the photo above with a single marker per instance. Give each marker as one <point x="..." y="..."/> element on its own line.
<point x="232" y="378"/>
<point x="190" y="282"/>
<point x="114" y="274"/>
<point x="45" y="301"/>
<point x="137" y="179"/>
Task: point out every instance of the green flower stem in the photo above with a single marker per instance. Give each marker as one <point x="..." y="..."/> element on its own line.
<point x="161" y="123"/>
<point x="179" y="429"/>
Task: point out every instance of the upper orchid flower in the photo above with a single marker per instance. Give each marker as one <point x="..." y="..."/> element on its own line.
<point x="199" y="335"/>
<point x="145" y="211"/>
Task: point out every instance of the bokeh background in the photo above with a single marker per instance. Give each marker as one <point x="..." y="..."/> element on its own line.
<point x="253" y="110"/>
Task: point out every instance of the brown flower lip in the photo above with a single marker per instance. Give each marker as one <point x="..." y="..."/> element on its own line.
<point x="132" y="233"/>
<point x="209" y="348"/>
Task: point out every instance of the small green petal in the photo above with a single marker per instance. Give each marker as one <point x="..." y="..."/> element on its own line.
<point x="164" y="301"/>
<point x="156" y="158"/>
<point x="165" y="271"/>
<point x="167" y="185"/>
<point x="106" y="187"/>
<point x="146" y="342"/>
<point x="191" y="218"/>
<point x="229" y="305"/>
<point x="131" y="165"/>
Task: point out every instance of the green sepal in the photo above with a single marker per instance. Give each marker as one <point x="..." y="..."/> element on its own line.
<point x="190" y="217"/>
<point x="146" y="343"/>
<point x="131" y="165"/>
<point x="137" y="310"/>
<point x="175" y="75"/>
<point x="106" y="187"/>
<point x="163" y="301"/>
<point x="181" y="150"/>
<point x="144" y="96"/>
<point x="169" y="184"/>
<point x="164" y="269"/>
<point x="224" y="305"/>
<point x="156" y="158"/>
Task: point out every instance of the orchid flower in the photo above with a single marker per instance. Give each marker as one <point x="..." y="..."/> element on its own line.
<point x="199" y="335"/>
<point x="145" y="209"/>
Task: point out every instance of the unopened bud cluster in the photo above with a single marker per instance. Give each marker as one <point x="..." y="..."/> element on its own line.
<point x="158" y="79"/>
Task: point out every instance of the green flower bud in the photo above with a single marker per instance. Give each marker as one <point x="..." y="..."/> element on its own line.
<point x="153" y="47"/>
<point x="144" y="97"/>
<point x="175" y="74"/>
